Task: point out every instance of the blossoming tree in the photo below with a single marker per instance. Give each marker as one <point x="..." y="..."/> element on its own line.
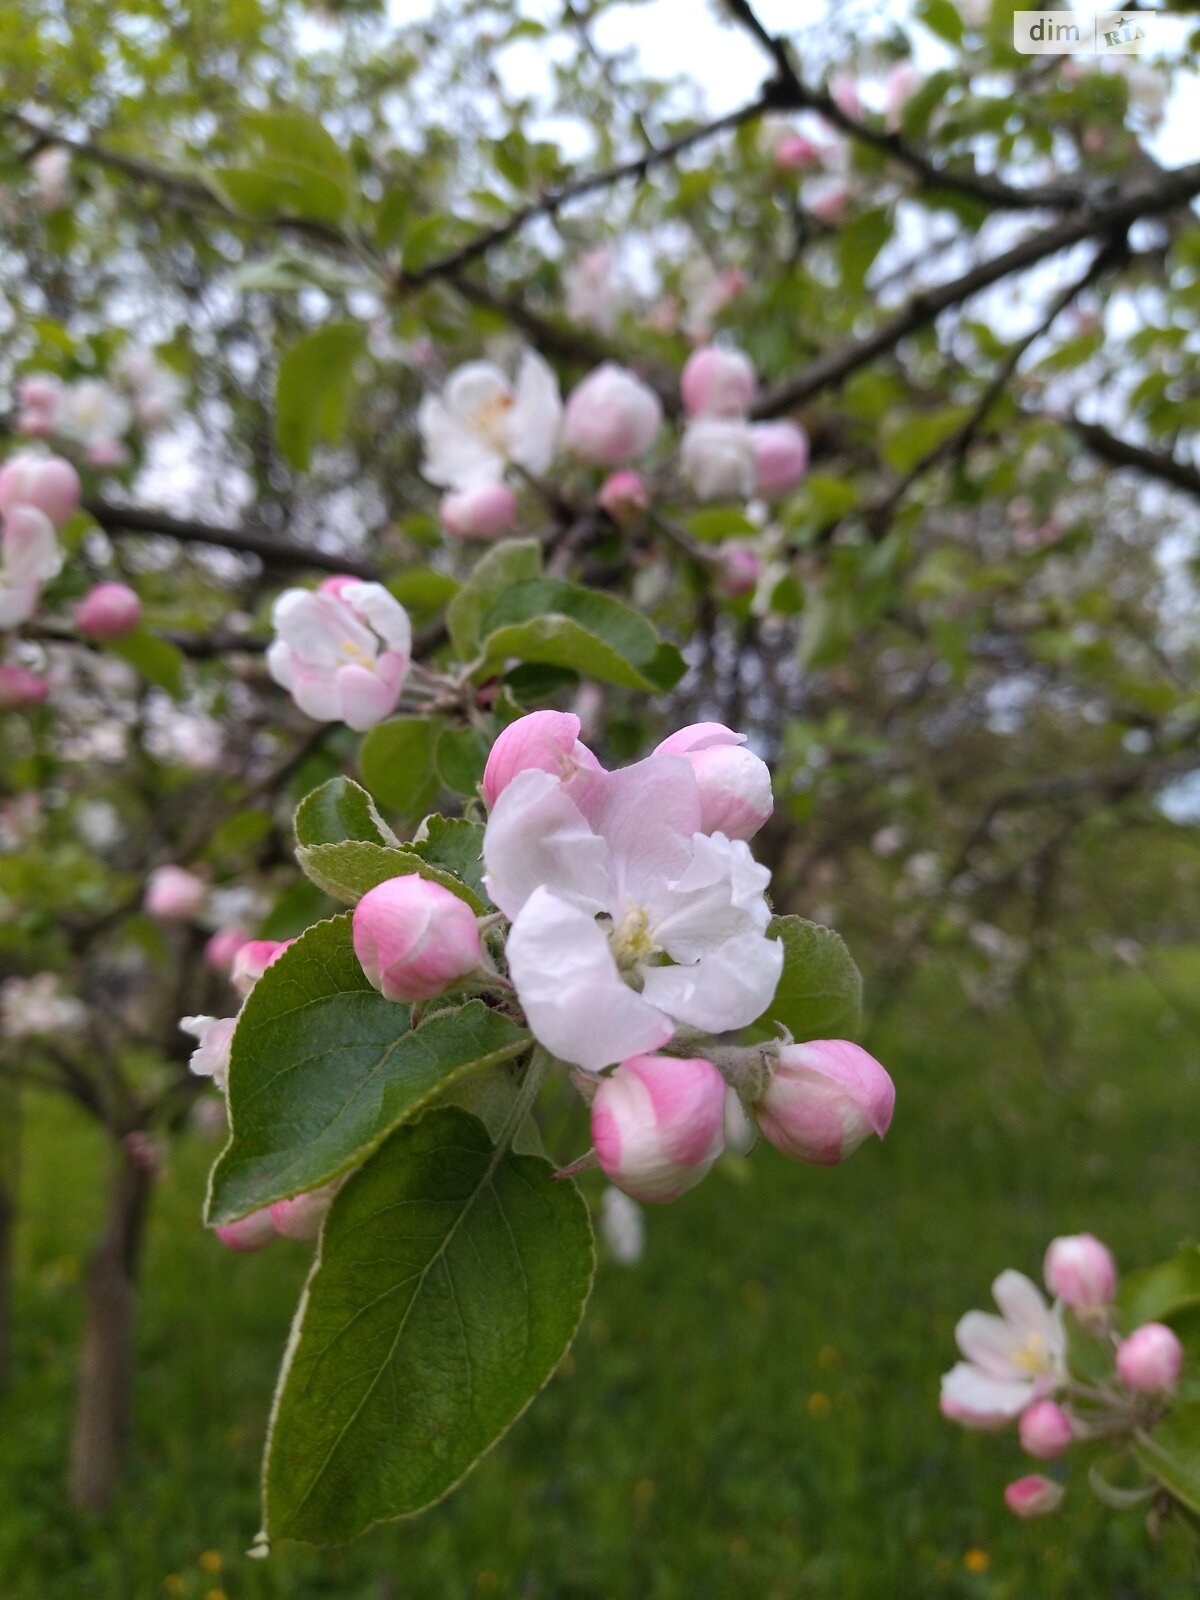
<point x="658" y="506"/>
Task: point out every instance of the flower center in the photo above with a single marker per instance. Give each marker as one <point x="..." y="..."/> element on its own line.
<point x="490" y="418"/>
<point x="1033" y="1356"/>
<point x="356" y="655"/>
<point x="632" y="941"/>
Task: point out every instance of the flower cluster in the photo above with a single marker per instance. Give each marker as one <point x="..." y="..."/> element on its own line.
<point x="95" y="417"/>
<point x="37" y="495"/>
<point x="1021" y="1366"/>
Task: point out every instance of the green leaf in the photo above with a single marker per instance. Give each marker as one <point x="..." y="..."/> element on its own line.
<point x="397" y="763"/>
<point x="512" y="561"/>
<point x="340" y="809"/>
<point x="295" y="137"/>
<point x="551" y="621"/>
<point x="916" y="435"/>
<point x="1172" y="1453"/>
<point x="347" y="870"/>
<point x="942" y="18"/>
<point x="323" y="1068"/>
<point x="455" y="845"/>
<point x="273" y="189"/>
<point x="1154" y="1294"/>
<point x="820" y="989"/>
<point x="721" y="522"/>
<point x="451" y="1279"/>
<point x="312" y="392"/>
<point x="158" y="660"/>
<point x="860" y="241"/>
<point x="461" y="754"/>
<point x="422" y="589"/>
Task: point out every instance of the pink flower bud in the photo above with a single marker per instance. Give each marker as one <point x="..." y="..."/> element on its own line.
<point x="738" y="568"/>
<point x="486" y="512"/>
<point x="823" y="1099"/>
<point x="829" y="201"/>
<point x="717" y="382"/>
<point x="51" y="169"/>
<point x="1150" y="1359"/>
<point x="109" y="611"/>
<point x="20" y="690"/>
<point x="174" y="894"/>
<point x="844" y="93"/>
<point x="611" y="417"/>
<point x="414" y="938"/>
<point x="780" y="457"/>
<point x="735" y="784"/>
<point x="1033" y="1496"/>
<point x="338" y="584"/>
<point x="1081" y="1272"/>
<point x="658" y="1125"/>
<point x="795" y="153"/>
<point x="1045" y="1430"/>
<point x="545" y="741"/>
<point x="251" y="960"/>
<point x="254" y="1232"/>
<point x="104" y="454"/>
<point x="301" y="1217"/>
<point x="48" y="483"/>
<point x="224" y="945"/>
<point x="623" y="495"/>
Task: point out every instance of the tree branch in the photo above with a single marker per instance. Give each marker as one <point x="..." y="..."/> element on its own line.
<point x="1120" y="453"/>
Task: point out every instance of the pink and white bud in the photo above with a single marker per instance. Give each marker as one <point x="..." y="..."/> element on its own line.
<point x="738" y="568"/>
<point x="254" y="1232"/>
<point x="795" y="153"/>
<point x="1045" y="1430"/>
<point x="717" y="381"/>
<point x="39" y="398"/>
<point x="214" y="1041"/>
<point x="251" y="960"/>
<point x="612" y="417"/>
<point x="843" y="91"/>
<point x="48" y="483"/>
<point x="415" y="938"/>
<point x="109" y="611"/>
<point x="31" y="550"/>
<point x="174" y="894"/>
<point x="716" y="456"/>
<point x="20" y="689"/>
<point x="302" y="1216"/>
<point x="624" y="495"/>
<point x="658" y="1125"/>
<point x="1151" y="1359"/>
<point x="823" y="1099"/>
<point x="51" y="170"/>
<point x="828" y="201"/>
<point x="224" y="945"/>
<point x="1033" y="1496"/>
<point x="543" y="741"/>
<point x="780" y="457"/>
<point x="1081" y="1272"/>
<point x="487" y="511"/>
<point x="735" y="784"/>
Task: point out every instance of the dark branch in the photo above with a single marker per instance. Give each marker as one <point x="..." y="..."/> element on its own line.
<point x="1120" y="453"/>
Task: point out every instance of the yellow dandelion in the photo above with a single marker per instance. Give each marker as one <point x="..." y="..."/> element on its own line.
<point x="819" y="1404"/>
<point x="977" y="1560"/>
<point x="211" y="1561"/>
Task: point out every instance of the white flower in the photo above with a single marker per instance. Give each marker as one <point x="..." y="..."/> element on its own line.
<point x="342" y="652"/>
<point x="622" y="1226"/>
<point x="627" y="919"/>
<point x="157" y="391"/>
<point x="94" y="414"/>
<point x="481" y="423"/>
<point x="31" y="556"/>
<point x="594" y="290"/>
<point x="717" y="457"/>
<point x="1011" y="1360"/>
<point x="37" y="1005"/>
<point x="214" y="1038"/>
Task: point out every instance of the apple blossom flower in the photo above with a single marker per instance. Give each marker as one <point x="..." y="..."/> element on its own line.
<point x="302" y="1216"/>
<point x="902" y="82"/>
<point x="547" y="741"/>
<point x="47" y="483"/>
<point x="735" y="784"/>
<point x="97" y="417"/>
<point x="1033" y="1496"/>
<point x="623" y="495"/>
<point x="224" y="945"/>
<point x="622" y="1226"/>
<point x="486" y="511"/>
<point x="20" y="689"/>
<point x="828" y="200"/>
<point x="658" y="1125"/>
<point x="35" y="1006"/>
<point x="108" y="611"/>
<point x="1151" y="1359"/>
<point x="795" y="153"/>
<point x="157" y="391"/>
<point x="1045" y="1430"/>
<point x="1081" y="1272"/>
<point x="481" y="423"/>
<point x="717" y="381"/>
<point x="39" y="400"/>
<point x="600" y="885"/>
<point x="1011" y="1360"/>
<point x="51" y="170"/>
<point x="707" y="291"/>
<point x="843" y="91"/>
<point x="254" y="1232"/>
<point x="31" y="555"/>
<point x="611" y="417"/>
<point x="342" y="653"/>
<point x="822" y="1099"/>
<point x="414" y="938"/>
<point x="251" y="960"/>
<point x="738" y="568"/>
<point x="716" y="455"/>
<point x="214" y="1040"/>
<point x="780" y="457"/>
<point x="593" y="291"/>
<point x="174" y="894"/>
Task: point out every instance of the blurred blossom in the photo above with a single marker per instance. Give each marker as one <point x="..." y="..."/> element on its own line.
<point x="98" y="825"/>
<point x="622" y="1226"/>
<point x="37" y="1005"/>
<point x="595" y="293"/>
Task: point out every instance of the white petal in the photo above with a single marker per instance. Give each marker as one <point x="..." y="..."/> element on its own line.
<point x="384" y="612"/>
<point x="721" y="895"/>
<point x="729" y="988"/>
<point x="536" y="835"/>
<point x="536" y="415"/>
<point x="455" y="455"/>
<point x="318" y="626"/>
<point x="647" y="815"/>
<point x="570" y="989"/>
<point x="474" y="387"/>
<point x="992" y="1343"/>
<point x="1022" y="1303"/>
<point x="974" y="1398"/>
<point x="17" y="605"/>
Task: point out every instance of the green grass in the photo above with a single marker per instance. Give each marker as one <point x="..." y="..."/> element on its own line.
<point x="751" y="1411"/>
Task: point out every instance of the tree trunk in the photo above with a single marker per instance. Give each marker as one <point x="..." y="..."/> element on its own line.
<point x="10" y="1151"/>
<point x="103" y="1413"/>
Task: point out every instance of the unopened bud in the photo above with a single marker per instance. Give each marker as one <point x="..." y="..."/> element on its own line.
<point x="414" y="938"/>
<point x="109" y="611"/>
<point x="543" y="741"/>
<point x="611" y="417"/>
<point x="302" y="1216"/>
<point x="658" y="1125"/>
<point x="174" y="894"/>
<point x="1033" y="1496"/>
<point x="716" y="456"/>
<point x="486" y="512"/>
<point x="823" y="1099"/>
<point x="254" y="1232"/>
<point x="717" y="382"/>
<point x="20" y="689"/>
<point x="1045" y="1430"/>
<point x="780" y="457"/>
<point x="734" y="783"/>
<point x="251" y="960"/>
<point x="48" y="483"/>
<point x="624" y="495"/>
<point x="1081" y="1272"/>
<point x="1151" y="1359"/>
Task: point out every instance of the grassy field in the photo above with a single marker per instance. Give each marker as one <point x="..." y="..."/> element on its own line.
<point x="750" y="1411"/>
